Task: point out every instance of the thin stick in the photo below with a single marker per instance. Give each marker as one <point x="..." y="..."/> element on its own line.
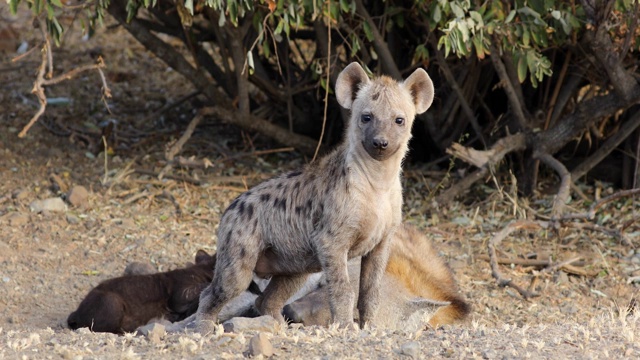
<point x="493" y="258"/>
<point x="327" y="84"/>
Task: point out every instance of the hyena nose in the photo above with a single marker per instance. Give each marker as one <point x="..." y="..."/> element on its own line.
<point x="380" y="143"/>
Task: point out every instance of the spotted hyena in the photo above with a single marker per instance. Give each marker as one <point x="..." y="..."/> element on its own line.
<point x="418" y="288"/>
<point x="345" y="205"/>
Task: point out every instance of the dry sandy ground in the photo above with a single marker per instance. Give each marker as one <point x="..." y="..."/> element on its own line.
<point x="50" y="260"/>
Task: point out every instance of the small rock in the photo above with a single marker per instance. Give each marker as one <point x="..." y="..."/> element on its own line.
<point x="18" y="219"/>
<point x="154" y="332"/>
<point x="239" y="324"/>
<point x="127" y="223"/>
<point x="139" y="268"/>
<point x="72" y="219"/>
<point x="411" y="349"/>
<point x="489" y="354"/>
<point x="20" y="195"/>
<point x="260" y="345"/>
<point x="50" y="204"/>
<point x="78" y="195"/>
<point x="562" y="278"/>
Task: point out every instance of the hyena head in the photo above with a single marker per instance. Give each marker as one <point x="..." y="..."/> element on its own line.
<point x="382" y="109"/>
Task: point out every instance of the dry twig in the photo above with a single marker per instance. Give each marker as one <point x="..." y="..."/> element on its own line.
<point x="45" y="78"/>
<point x="493" y="258"/>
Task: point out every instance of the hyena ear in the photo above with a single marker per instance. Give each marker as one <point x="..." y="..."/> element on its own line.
<point x="349" y="83"/>
<point x="420" y="86"/>
<point x="202" y="257"/>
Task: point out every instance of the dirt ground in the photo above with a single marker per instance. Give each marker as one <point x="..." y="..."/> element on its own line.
<point x="50" y="260"/>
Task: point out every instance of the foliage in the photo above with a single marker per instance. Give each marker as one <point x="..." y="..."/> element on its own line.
<point x="287" y="58"/>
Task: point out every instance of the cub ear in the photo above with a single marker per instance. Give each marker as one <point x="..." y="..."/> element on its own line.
<point x="202" y="257"/>
<point x="349" y="83"/>
<point x="420" y="86"/>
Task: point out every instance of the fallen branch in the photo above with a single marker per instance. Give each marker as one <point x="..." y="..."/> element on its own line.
<point x="538" y="263"/>
<point x="483" y="159"/>
<point x="493" y="258"/>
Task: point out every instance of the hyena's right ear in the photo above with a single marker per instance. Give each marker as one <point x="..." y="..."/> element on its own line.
<point x="349" y="83"/>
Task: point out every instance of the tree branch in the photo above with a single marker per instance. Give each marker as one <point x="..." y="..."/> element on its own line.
<point x="565" y="181"/>
<point x="456" y="88"/>
<point x="202" y="82"/>
<point x="505" y="80"/>
<point x="386" y="59"/>
<point x="627" y="128"/>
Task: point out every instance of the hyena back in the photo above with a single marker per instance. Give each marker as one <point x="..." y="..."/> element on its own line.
<point x="345" y="205"/>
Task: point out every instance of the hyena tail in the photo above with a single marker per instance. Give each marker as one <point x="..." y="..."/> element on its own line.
<point x="457" y="310"/>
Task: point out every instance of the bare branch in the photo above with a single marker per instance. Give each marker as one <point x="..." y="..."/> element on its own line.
<point x="505" y="80"/>
<point x="482" y="158"/>
<point x="627" y="128"/>
<point x="386" y="59"/>
<point x="562" y="196"/>
<point x="456" y="88"/>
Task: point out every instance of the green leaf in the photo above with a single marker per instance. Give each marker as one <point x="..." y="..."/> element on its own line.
<point x="556" y="14"/>
<point x="57" y="3"/>
<point x="522" y="69"/>
<point x="279" y="27"/>
<point x="509" y="18"/>
<point x="457" y="10"/>
<point x="526" y="36"/>
<point x="477" y="18"/>
<point x="187" y="4"/>
<point x="266" y="49"/>
<point x="368" y="32"/>
<point x="13" y="6"/>
<point x="437" y="14"/>
<point x="250" y="59"/>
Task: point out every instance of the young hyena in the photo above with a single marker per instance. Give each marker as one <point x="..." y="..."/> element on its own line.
<point x="345" y="205"/>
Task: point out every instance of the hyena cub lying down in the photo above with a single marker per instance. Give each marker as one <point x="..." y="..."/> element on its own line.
<point x="123" y="304"/>
<point x="417" y="288"/>
<point x="345" y="205"/>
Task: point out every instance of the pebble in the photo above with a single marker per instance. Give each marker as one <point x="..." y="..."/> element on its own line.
<point x="260" y="345"/>
<point x="154" y="332"/>
<point x="51" y="204"/>
<point x="240" y="324"/>
<point x="18" y="219"/>
<point x="139" y="268"/>
<point x="78" y="196"/>
<point x="21" y="195"/>
<point x="411" y="349"/>
<point x="72" y="219"/>
<point x="489" y="354"/>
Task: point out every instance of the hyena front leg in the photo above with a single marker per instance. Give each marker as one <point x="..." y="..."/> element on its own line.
<point x="371" y="270"/>
<point x="279" y="290"/>
<point x="341" y="297"/>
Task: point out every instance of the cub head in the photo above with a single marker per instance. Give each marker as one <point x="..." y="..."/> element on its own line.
<point x="382" y="109"/>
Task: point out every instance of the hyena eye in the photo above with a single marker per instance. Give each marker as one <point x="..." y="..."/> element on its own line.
<point x="400" y="121"/>
<point x="365" y="118"/>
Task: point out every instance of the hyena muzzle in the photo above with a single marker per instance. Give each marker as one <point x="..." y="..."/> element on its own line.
<point x="347" y="204"/>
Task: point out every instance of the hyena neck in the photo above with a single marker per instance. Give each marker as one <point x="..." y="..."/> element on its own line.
<point x="380" y="175"/>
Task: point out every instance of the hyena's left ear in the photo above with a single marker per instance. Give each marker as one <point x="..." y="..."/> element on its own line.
<point x="420" y="86"/>
<point x="349" y="83"/>
<point x="202" y="257"/>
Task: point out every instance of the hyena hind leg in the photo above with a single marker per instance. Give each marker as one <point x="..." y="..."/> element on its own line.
<point x="229" y="281"/>
<point x="279" y="290"/>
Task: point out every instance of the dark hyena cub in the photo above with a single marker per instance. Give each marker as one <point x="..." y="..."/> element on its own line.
<point x="347" y="204"/>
